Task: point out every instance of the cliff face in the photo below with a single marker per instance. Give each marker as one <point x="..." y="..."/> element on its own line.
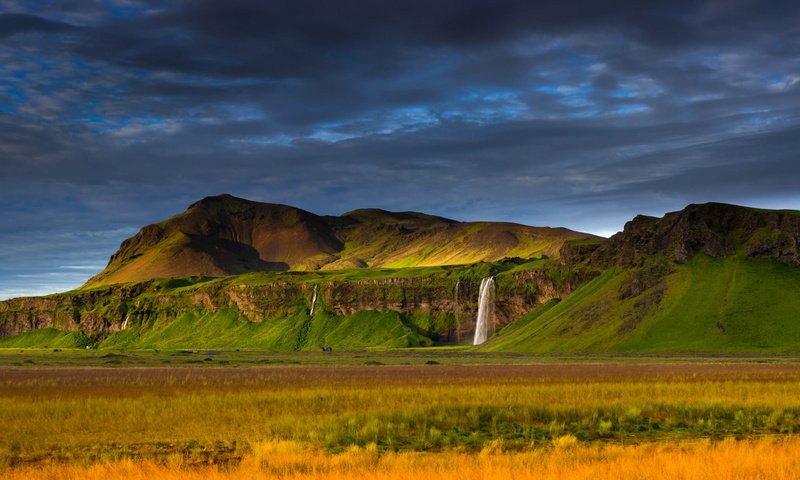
<point x="100" y="310"/>
<point x="103" y="311"/>
<point x="26" y="314"/>
<point x="715" y="229"/>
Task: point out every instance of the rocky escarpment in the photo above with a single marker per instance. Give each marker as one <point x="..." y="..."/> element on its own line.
<point x="713" y="229"/>
<point x="92" y="311"/>
<point x="103" y="311"/>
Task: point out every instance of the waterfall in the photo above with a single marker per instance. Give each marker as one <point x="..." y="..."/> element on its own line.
<point x="457" y="312"/>
<point x="484" y="327"/>
<point x="313" y="302"/>
<point x="125" y="322"/>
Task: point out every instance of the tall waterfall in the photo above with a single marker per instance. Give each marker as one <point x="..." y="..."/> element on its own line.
<point x="313" y="302"/>
<point x="484" y="327"/>
<point x="458" y="312"/>
<point x="125" y="322"/>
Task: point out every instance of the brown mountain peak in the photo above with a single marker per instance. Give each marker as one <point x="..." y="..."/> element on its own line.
<point x="225" y="235"/>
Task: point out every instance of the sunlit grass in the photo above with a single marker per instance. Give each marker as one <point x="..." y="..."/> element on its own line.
<point x="752" y="459"/>
<point x="218" y="415"/>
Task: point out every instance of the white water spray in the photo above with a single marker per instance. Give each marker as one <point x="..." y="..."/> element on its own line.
<point x="484" y="327"/>
<point x="125" y="322"/>
<point x="313" y="302"/>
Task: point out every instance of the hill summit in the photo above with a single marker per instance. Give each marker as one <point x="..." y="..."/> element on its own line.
<point x="225" y="235"/>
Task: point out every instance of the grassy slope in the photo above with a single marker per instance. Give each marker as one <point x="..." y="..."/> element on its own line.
<point x="47" y="336"/>
<point x="718" y="305"/>
<point x="476" y="242"/>
<point x="353" y="274"/>
<point x="460" y="245"/>
<point x="173" y="257"/>
<point x="225" y="330"/>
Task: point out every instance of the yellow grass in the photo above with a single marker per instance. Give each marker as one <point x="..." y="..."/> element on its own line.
<point x="751" y="459"/>
<point x="593" y="421"/>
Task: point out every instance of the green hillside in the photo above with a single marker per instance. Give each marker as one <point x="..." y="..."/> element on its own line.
<point x="51" y="337"/>
<point x="716" y="305"/>
<point x="226" y="330"/>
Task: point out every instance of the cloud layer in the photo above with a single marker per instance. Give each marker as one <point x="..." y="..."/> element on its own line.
<point x="119" y="113"/>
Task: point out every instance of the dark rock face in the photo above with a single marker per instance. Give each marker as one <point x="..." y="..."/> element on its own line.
<point x="572" y="253"/>
<point x="644" y="278"/>
<point x="774" y="243"/>
<point x="714" y="229"/>
<point x="101" y="310"/>
<point x="24" y="314"/>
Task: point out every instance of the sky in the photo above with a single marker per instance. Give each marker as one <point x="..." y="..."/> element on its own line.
<point x="115" y="114"/>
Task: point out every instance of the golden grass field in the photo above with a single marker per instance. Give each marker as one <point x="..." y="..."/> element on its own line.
<point x="748" y="459"/>
<point x="580" y="420"/>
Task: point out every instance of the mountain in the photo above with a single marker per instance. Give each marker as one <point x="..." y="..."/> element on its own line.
<point x="709" y="278"/>
<point x="225" y="235"/>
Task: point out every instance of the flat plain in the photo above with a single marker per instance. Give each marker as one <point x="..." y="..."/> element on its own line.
<point x="395" y="414"/>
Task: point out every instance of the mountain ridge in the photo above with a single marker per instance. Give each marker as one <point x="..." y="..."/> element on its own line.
<point x="226" y="235"/>
<point x="716" y="229"/>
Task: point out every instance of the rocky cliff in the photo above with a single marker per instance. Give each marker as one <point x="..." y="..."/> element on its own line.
<point x="103" y="311"/>
<point x="714" y="229"/>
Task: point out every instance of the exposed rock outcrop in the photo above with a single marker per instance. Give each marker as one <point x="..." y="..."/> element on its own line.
<point x="714" y="229"/>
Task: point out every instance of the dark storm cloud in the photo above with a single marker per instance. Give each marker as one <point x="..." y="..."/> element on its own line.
<point x="116" y="114"/>
<point x="12" y="24"/>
